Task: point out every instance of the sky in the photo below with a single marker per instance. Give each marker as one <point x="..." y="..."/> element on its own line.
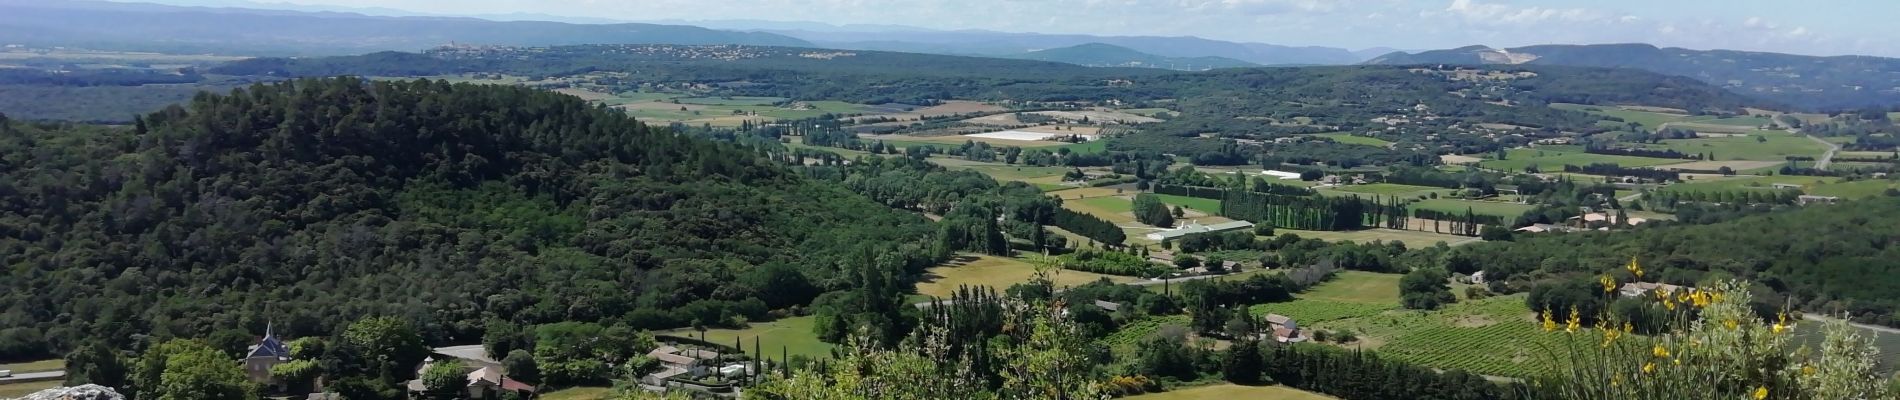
<point x="1812" y="27"/>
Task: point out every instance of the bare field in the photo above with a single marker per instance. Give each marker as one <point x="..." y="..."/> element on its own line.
<point x="1455" y="159"/>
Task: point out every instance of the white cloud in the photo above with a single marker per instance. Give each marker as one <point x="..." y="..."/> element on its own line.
<point x="1476" y="11"/>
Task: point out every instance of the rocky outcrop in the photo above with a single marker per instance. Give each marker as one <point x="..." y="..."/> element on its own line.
<point x="81" y="392"/>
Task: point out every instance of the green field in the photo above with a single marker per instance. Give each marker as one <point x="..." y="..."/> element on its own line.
<point x="578" y="393"/>
<point x="1110" y="204"/>
<point x="1349" y="138"/>
<point x="731" y="101"/>
<point x="792" y="334"/>
<point x="1749" y="121"/>
<point x="996" y="272"/>
<point x="1412" y="239"/>
<point x="1819" y="186"/>
<point x="1508" y="211"/>
<point x="1555" y="160"/>
<point x="14" y="390"/>
<point x="1778" y="147"/>
<point x="1228" y="391"/>
<point x="1352" y="294"/>
<point x="1389" y="189"/>
<point x="1209" y="206"/>
<point x="1092" y="146"/>
<point x="1146" y="112"/>
<point x="1649" y="120"/>
<point x="1358" y="287"/>
<point x="35" y="366"/>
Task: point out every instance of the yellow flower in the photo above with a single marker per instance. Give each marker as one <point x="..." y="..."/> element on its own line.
<point x="1730" y="324"/>
<point x="1660" y="352"/>
<point x="1576" y="321"/>
<point x="1649" y="368"/>
<point x="1550" y="324"/>
<point x="1609" y="336"/>
<point x="1609" y="284"/>
<point x="1761" y="393"/>
<point x="1635" y="268"/>
<point x="1668" y="305"/>
<point x="1701" y="300"/>
<point x="1779" y="328"/>
<point x="1807" y="370"/>
<point x="1627" y="328"/>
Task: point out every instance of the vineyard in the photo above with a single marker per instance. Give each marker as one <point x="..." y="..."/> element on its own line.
<point x="1495" y="336"/>
<point x="1134" y="331"/>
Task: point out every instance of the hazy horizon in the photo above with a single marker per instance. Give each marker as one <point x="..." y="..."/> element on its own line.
<point x="1352" y="24"/>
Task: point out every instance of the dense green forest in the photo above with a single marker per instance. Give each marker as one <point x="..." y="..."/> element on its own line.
<point x="1829" y="259"/>
<point x="312" y="203"/>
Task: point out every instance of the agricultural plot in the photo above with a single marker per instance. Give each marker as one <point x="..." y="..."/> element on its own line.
<point x="1358" y="287"/>
<point x="793" y="335"/>
<point x="1390" y="189"/>
<point x="1227" y="391"/>
<point x="1208" y="206"/>
<point x="16" y="390"/>
<point x="947" y="141"/>
<point x="1494" y="336"/>
<point x="35" y="366"/>
<point x="1649" y="118"/>
<point x="579" y="393"/>
<point x="1412" y="239"/>
<point x="731" y="101"/>
<point x="1110" y="204"/>
<point x="998" y="273"/>
<point x="1146" y="112"/>
<point x="1750" y="183"/>
<point x="1348" y="138"/>
<point x="1555" y="160"/>
<point x="1504" y="210"/>
<point x="1307" y="311"/>
<point x="1764" y="146"/>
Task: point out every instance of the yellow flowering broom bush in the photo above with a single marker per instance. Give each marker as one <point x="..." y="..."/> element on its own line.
<point x="1726" y="352"/>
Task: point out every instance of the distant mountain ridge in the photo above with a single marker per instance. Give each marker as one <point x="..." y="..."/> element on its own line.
<point x="1108" y="55"/>
<point x="245" y="31"/>
<point x="977" y="42"/>
<point x="1809" y="82"/>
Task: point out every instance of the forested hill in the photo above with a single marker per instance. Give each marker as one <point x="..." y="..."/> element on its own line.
<point x="1820" y="83"/>
<point x="1108" y="55"/>
<point x="151" y="27"/>
<point x="1830" y="259"/>
<point x="311" y="203"/>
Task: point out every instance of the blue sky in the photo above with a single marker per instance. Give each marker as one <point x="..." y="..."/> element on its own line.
<point x="1816" y="27"/>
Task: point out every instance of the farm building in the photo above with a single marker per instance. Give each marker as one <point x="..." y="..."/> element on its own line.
<point x="1282" y="175"/>
<point x="1640" y="289"/>
<point x="1196" y="227"/>
<point x="486" y="378"/>
<point x="1811" y="199"/>
<point x="1788" y="186"/>
<point x="1285" y="330"/>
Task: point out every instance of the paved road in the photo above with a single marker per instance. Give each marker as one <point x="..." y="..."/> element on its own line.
<point x="33" y="377"/>
<point x="1827" y="158"/>
<point x="1875" y="328"/>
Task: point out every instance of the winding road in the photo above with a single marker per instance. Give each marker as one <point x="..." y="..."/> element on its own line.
<point x="1827" y="158"/>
